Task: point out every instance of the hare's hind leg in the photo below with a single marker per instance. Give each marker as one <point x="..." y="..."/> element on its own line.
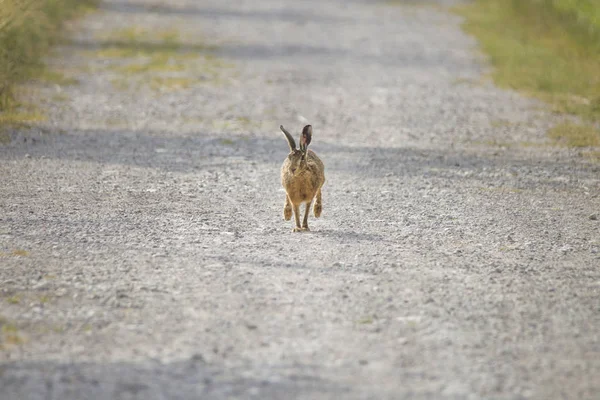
<point x="305" y="221"/>
<point x="287" y="208"/>
<point x="298" y="228"/>
<point x="318" y="205"/>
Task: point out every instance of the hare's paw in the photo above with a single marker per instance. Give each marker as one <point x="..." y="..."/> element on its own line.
<point x="297" y="229"/>
<point x="287" y="212"/>
<point x="305" y="229"/>
<point x="318" y="208"/>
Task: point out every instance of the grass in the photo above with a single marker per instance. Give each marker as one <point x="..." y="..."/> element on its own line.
<point x="170" y="83"/>
<point x="501" y="123"/>
<point x="28" y="30"/>
<point x="585" y="13"/>
<point x="57" y="77"/>
<point x="156" y="63"/>
<point x="139" y="42"/>
<point x="20" y="253"/>
<point x="414" y="3"/>
<point x="575" y="135"/>
<point x="549" y="49"/>
<point x="59" y="98"/>
<point x="16" y="253"/>
<point x="227" y="142"/>
<point x="15" y="117"/>
<point x="238" y="124"/>
<point x="158" y="59"/>
<point x="9" y="333"/>
<point x="406" y="2"/>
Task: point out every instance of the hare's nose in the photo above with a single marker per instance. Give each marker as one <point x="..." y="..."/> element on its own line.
<point x="293" y="170"/>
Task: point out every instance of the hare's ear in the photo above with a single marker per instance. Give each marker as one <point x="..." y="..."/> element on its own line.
<point x="305" y="138"/>
<point x="289" y="138"/>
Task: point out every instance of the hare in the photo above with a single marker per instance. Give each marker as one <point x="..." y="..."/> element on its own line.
<point x="302" y="176"/>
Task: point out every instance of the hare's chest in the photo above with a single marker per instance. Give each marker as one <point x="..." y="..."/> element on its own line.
<point x="300" y="189"/>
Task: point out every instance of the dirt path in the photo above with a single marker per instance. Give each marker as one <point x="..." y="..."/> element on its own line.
<point x="144" y="251"/>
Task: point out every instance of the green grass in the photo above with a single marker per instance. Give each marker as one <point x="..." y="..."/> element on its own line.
<point x="136" y="41"/>
<point x="415" y="4"/>
<point x="549" y="49"/>
<point x="227" y="142"/>
<point x="28" y="30"/>
<point x="9" y="334"/>
<point x="238" y="124"/>
<point x="16" y="117"/>
<point x="170" y="83"/>
<point x="584" y="13"/>
<point x="158" y="59"/>
<point x="156" y="63"/>
<point x="59" y="98"/>
<point x="575" y="135"/>
<point x="57" y="77"/>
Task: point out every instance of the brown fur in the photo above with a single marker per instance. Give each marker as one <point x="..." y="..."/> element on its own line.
<point x="302" y="179"/>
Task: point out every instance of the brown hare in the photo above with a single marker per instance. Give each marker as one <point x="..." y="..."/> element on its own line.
<point x="302" y="176"/>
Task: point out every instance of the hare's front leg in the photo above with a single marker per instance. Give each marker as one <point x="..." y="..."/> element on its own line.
<point x="287" y="208"/>
<point x="297" y="217"/>
<point x="305" y="221"/>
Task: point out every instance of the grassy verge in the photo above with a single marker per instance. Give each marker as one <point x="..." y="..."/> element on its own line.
<point x="28" y="30"/>
<point x="160" y="60"/>
<point x="549" y="49"/>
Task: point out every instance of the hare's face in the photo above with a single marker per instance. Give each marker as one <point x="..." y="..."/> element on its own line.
<point x="297" y="161"/>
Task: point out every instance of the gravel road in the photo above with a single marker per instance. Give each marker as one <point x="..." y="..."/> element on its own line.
<point x="144" y="253"/>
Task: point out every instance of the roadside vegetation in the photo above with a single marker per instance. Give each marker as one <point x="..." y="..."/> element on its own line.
<point x="28" y="30"/>
<point x="549" y="49"/>
<point x="158" y="59"/>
